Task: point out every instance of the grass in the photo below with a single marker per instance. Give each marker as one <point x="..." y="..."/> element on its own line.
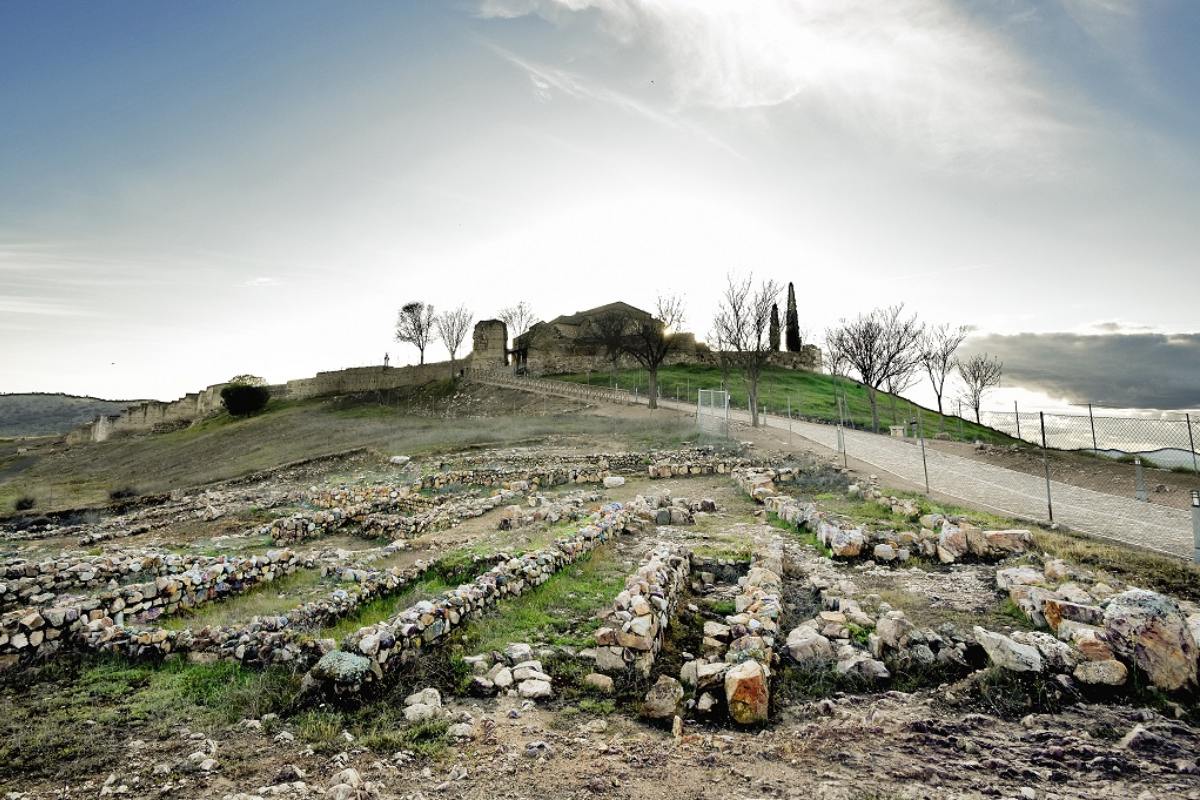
<point x="276" y="597"/>
<point x="559" y="612"/>
<point x="221" y="447"/>
<point x="382" y="608"/>
<point x="812" y="395"/>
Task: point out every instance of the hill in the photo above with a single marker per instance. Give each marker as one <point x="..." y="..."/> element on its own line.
<point x="810" y="395"/>
<point x="40" y="414"/>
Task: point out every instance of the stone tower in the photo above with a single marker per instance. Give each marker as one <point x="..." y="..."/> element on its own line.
<point x="489" y="346"/>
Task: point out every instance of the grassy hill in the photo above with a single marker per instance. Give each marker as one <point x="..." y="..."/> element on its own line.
<point x="812" y="396"/>
<point x="38" y="414"/>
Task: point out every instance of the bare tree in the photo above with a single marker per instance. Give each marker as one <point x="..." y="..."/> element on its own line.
<point x="743" y="322"/>
<point x="979" y="373"/>
<point x="938" y="346"/>
<point x="414" y="325"/>
<point x="517" y="319"/>
<point x="901" y="380"/>
<point x="452" y="328"/>
<point x="607" y="333"/>
<point x="650" y="341"/>
<point x="877" y="346"/>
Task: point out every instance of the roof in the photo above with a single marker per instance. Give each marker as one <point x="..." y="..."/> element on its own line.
<point x="579" y="316"/>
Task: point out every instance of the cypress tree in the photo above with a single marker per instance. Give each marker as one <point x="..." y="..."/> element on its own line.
<point x="774" y="332"/>
<point x="792" y="323"/>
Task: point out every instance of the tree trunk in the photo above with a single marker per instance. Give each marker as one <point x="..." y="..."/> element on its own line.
<point x="871" y="395"/>
<point x="652" y="386"/>
<point x="941" y="415"/>
<point x="752" y="400"/>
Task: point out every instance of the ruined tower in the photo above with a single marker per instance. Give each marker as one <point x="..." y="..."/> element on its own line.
<point x="489" y="346"/>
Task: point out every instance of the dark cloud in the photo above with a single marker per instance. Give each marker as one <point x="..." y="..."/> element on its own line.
<point x="1133" y="370"/>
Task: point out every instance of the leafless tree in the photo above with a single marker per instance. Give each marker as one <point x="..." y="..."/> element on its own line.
<point x="650" y="341"/>
<point x="743" y="323"/>
<point x="414" y="325"/>
<point x="979" y="373"/>
<point x="901" y="380"/>
<point x="938" y="346"/>
<point x="607" y="333"/>
<point x="452" y="327"/>
<point x="517" y="319"/>
<point x="877" y="346"/>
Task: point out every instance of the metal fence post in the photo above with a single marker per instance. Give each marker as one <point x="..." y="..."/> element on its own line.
<point x="1017" y="417"/>
<point x="1196" y="525"/>
<point x="924" y="463"/>
<point x="1046" y="465"/>
<point x="1092" y="422"/>
<point x="1191" y="440"/>
<point x="960" y="427"/>
<point x="1141" y="493"/>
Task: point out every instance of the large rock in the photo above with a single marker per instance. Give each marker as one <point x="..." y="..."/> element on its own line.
<point x="1010" y="655"/>
<point x="1055" y="611"/>
<point x="847" y="543"/>
<point x="1002" y="543"/>
<point x="1101" y="673"/>
<point x="663" y="699"/>
<point x="805" y="644"/>
<point x="747" y="693"/>
<point x="1147" y="630"/>
<point x="1017" y="576"/>
<point x="951" y="544"/>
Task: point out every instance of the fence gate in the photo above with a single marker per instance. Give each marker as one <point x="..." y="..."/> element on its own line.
<point x="712" y="411"/>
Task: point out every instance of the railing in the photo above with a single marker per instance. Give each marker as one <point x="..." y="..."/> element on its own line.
<point x="578" y="391"/>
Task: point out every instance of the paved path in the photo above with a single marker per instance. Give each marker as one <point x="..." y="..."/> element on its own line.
<point x="1003" y="491"/>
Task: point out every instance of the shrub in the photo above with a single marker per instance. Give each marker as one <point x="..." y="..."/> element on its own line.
<point x="24" y="503"/>
<point x="124" y="493"/>
<point x="241" y="399"/>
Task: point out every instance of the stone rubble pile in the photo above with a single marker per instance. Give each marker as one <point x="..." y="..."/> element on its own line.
<point x="29" y="632"/>
<point x="635" y="625"/>
<point x="514" y="671"/>
<point x="539" y="508"/>
<point x="663" y="509"/>
<point x="369" y="653"/>
<point x="1098" y="631"/>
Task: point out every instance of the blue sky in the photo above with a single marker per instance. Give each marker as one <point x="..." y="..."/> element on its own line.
<point x="194" y="190"/>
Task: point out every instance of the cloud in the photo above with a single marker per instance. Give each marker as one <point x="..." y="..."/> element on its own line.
<point x="261" y="282"/>
<point x="919" y="73"/>
<point x="1126" y="370"/>
<point x="38" y="306"/>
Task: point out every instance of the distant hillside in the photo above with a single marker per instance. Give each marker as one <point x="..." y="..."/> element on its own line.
<point x="40" y="414"/>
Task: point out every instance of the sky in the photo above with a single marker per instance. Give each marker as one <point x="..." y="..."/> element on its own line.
<point x="194" y="190"/>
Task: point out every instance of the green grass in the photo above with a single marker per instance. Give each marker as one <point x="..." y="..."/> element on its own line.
<point x="559" y="612"/>
<point x="812" y="395"/>
<point x="382" y="608"/>
<point x="276" y="597"/>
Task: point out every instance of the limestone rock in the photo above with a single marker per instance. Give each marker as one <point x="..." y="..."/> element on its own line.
<point x="1148" y="630"/>
<point x="805" y="644"/>
<point x="535" y="689"/>
<point x="1103" y="673"/>
<point x="662" y="701"/>
<point x="598" y="682"/>
<point x="1008" y="654"/>
<point x="613" y="481"/>
<point x="747" y="693"/>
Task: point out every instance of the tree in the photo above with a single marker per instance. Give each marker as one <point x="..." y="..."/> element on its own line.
<point x="241" y="399"/>
<point x="877" y="346"/>
<point x="414" y="325"/>
<point x="650" y="341"/>
<point x="517" y="319"/>
<point x="902" y="379"/>
<point x="938" y="346"/>
<point x="743" y="322"/>
<point x="607" y="333"/>
<point x="792" y="322"/>
<point x="979" y="373"/>
<point x="452" y="328"/>
<point x="774" y="333"/>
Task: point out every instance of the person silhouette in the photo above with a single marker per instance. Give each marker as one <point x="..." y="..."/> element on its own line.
<point x="385" y="359"/>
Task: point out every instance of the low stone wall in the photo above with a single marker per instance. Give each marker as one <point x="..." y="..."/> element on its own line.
<point x="30" y="632"/>
<point x="753" y="629"/>
<point x="369" y="653"/>
<point x="539" y="508"/>
<point x="635" y="626"/>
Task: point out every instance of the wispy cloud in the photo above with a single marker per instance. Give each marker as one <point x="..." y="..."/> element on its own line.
<point x="262" y="282"/>
<point x="546" y="79"/>
<point x="39" y="306"/>
<point x="919" y="73"/>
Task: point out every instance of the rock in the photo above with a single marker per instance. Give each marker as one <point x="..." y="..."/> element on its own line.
<point x="419" y="712"/>
<point x="951" y="544"/>
<point x="598" y="682"/>
<point x="462" y="730"/>
<point x="501" y="676"/>
<point x="884" y="552"/>
<point x="662" y="701"/>
<point x="805" y="644"/>
<point x="1055" y="611"/>
<point x="1148" y="630"/>
<point x="1102" y="673"/>
<point x="1001" y="543"/>
<point x="893" y="630"/>
<point x="1005" y="653"/>
<point x="518" y="652"/>
<point x="863" y="666"/>
<point x="529" y="670"/>
<point x="428" y="697"/>
<point x="847" y="543"/>
<point x="613" y="481"/>
<point x="1017" y="576"/>
<point x="1058" y="656"/>
<point x="343" y="667"/>
<point x="1138" y="738"/>
<point x="747" y="693"/>
<point x="716" y="631"/>
<point x="399" y="461"/>
<point x="482" y="687"/>
<point x="535" y="689"/>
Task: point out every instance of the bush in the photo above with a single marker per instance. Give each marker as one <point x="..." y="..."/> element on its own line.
<point x="241" y="399"/>
<point x="24" y="503"/>
<point x="124" y="493"/>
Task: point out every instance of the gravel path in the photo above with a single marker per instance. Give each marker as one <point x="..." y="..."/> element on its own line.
<point x="1003" y="491"/>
